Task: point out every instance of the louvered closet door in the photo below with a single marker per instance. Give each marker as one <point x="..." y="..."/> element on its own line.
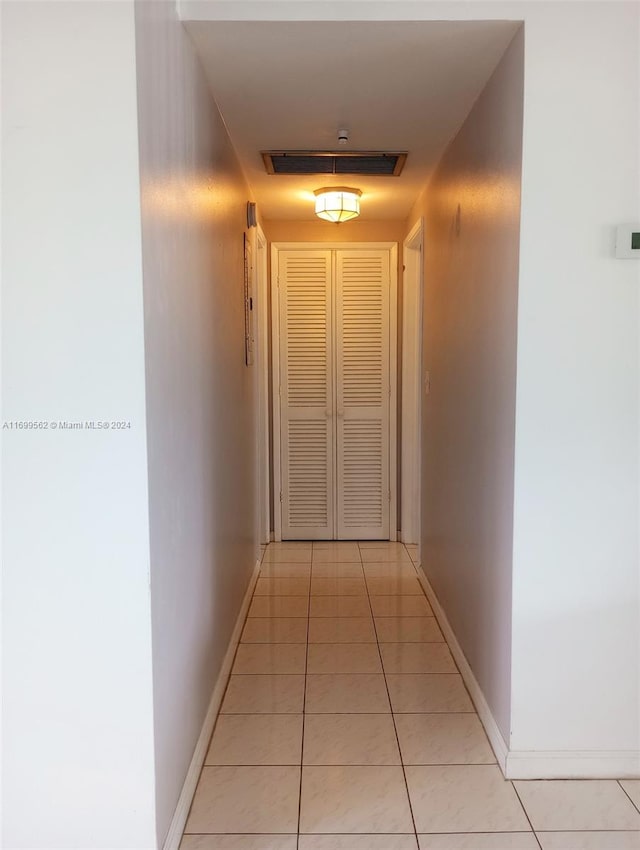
<point x="362" y="392"/>
<point x="306" y="395"/>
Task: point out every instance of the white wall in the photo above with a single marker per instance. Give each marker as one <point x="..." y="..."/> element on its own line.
<point x="469" y="350"/>
<point x="200" y="406"/>
<point x="77" y="701"/>
<point x="576" y="572"/>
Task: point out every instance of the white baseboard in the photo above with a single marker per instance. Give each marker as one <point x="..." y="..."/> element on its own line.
<point x="402" y="537"/>
<point x="174" y="836"/>
<point x="482" y="706"/>
<point x="522" y="764"/>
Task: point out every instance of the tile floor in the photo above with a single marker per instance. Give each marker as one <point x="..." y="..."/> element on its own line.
<point x="346" y="726"/>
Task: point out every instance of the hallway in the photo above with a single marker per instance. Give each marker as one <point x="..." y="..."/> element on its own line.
<point x="343" y="672"/>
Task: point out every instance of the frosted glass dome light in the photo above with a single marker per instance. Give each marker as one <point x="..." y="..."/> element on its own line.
<point x="337" y="203"/>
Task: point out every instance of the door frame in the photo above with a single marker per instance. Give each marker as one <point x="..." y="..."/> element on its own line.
<point x="392" y="248"/>
<point x="412" y="306"/>
<point x="261" y="289"/>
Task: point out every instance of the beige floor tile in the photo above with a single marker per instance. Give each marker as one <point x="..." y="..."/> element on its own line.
<point x="364" y="739"/>
<point x="632" y="787"/>
<point x="269" y="658"/>
<point x="287" y="570"/>
<point x="379" y="556"/>
<point x="404" y="569"/>
<point x="334" y="544"/>
<point x="402" y="586"/>
<point x="282" y="587"/>
<point x="390" y="546"/>
<point x="339" y="552"/>
<point x="443" y="739"/>
<point x="589" y="840"/>
<point x="335" y="570"/>
<point x="459" y="797"/>
<point x="264" y="695"/>
<point x="245" y="799"/>
<point x="577" y="804"/>
<point x="239" y="842"/>
<point x="414" y="694"/>
<point x="469" y="798"/>
<point x="357" y="842"/>
<point x="341" y="630"/>
<point x="417" y="658"/>
<point x="401" y="606"/>
<point x="279" y="606"/>
<point x="296" y="554"/>
<point x="343" y="658"/>
<point x="245" y="739"/>
<point x="480" y="841"/>
<point x="354" y="799"/>
<point x="339" y="606"/>
<point x="346" y="693"/>
<point x="275" y="630"/>
<point x="408" y="630"/>
<point x="285" y="545"/>
<point x="338" y="587"/>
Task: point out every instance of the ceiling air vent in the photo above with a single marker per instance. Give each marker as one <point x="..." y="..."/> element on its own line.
<point x="363" y="163"/>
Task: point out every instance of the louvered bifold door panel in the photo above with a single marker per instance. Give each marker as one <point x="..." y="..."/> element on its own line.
<point x="306" y="394"/>
<point x="362" y="392"/>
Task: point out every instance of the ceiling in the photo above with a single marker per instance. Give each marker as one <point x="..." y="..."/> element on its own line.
<point x="397" y="86"/>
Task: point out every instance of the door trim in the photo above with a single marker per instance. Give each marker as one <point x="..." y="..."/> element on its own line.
<point x="262" y="378"/>
<point x="393" y="391"/>
<point x="412" y="305"/>
<point x="275" y="390"/>
<point x="392" y="248"/>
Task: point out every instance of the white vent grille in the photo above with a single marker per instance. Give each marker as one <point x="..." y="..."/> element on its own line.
<point x="363" y="163"/>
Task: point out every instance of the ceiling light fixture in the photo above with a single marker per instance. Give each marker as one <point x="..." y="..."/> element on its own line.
<point x="337" y="203"/>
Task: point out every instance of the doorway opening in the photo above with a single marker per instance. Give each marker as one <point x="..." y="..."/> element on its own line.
<point x="412" y="305"/>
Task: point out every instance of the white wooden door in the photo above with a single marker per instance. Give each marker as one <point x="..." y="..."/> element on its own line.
<point x="362" y="388"/>
<point x="307" y="439"/>
<point x="334" y="393"/>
